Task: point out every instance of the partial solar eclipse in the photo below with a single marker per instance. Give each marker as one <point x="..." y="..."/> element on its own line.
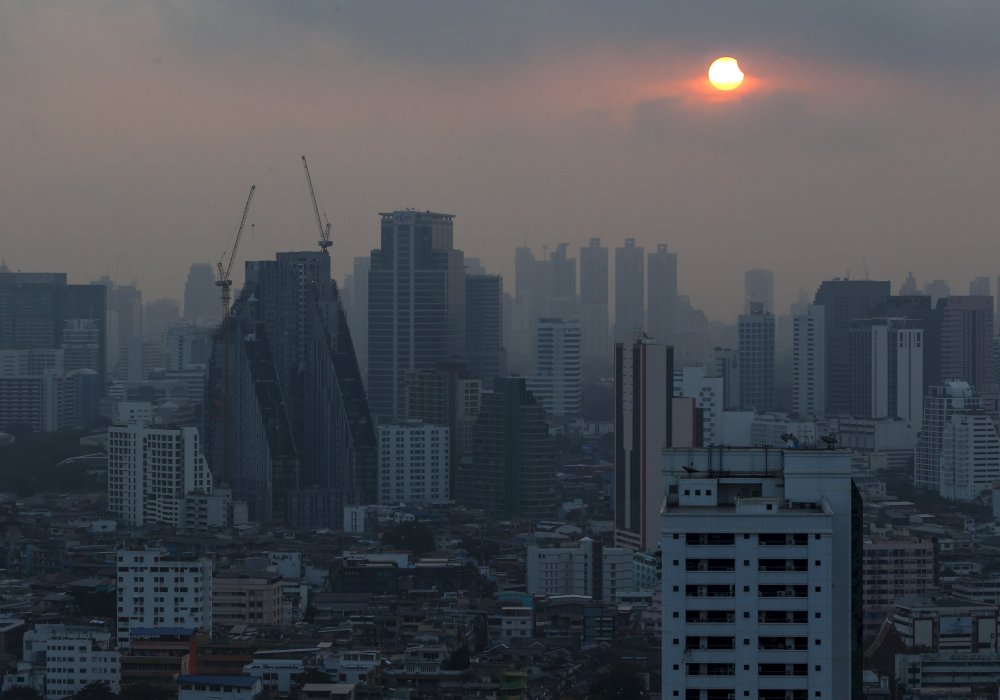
<point x="725" y="74"/>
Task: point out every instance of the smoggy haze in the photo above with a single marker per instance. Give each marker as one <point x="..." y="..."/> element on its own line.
<point x="867" y="131"/>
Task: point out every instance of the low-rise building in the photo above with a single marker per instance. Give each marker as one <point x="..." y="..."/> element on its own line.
<point x="216" y="687"/>
<point x="584" y="568"/>
<point x="247" y="597"/>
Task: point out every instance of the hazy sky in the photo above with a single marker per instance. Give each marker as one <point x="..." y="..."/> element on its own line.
<point x="131" y="132"/>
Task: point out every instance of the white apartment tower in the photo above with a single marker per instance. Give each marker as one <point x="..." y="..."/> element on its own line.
<point x="758" y="571"/>
<point x="970" y="455"/>
<point x="809" y="362"/>
<point x="585" y="568"/>
<point x="413" y="462"/>
<point x="556" y="383"/>
<point x="709" y="396"/>
<point x="157" y="591"/>
<point x="940" y="402"/>
<point x="151" y="470"/>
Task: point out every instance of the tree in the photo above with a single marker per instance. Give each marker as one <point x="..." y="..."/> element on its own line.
<point x="411" y="536"/>
<point x="620" y="681"/>
<point x="21" y="692"/>
<point x="98" y="690"/>
<point x="459" y="659"/>
<point x="144" y="691"/>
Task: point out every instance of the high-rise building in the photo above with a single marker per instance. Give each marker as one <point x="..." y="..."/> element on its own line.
<point x="970" y="456"/>
<point x="202" y="305"/>
<point x="967" y="340"/>
<point x="556" y="382"/>
<point x="661" y="294"/>
<point x="909" y="286"/>
<point x="158" y="316"/>
<point x="561" y="287"/>
<point x="38" y="394"/>
<point x="644" y="375"/>
<point x="356" y="307"/>
<point x="484" y="326"/>
<point x="844" y="301"/>
<point x="512" y="470"/>
<point x="756" y="331"/>
<point x="124" y="304"/>
<point x="413" y="463"/>
<point x="940" y="403"/>
<point x="808" y="363"/>
<point x="595" y="337"/>
<point x="586" y="569"/>
<point x="758" y="288"/>
<point x="151" y="470"/>
<point x="630" y="285"/>
<point x="287" y="424"/>
<point x="708" y="394"/>
<point x="937" y="290"/>
<point x="887" y="369"/>
<point x="36" y="309"/>
<point x="894" y="569"/>
<point x="979" y="287"/>
<point x="416" y="304"/>
<point x="761" y="574"/>
<point x="156" y="590"/>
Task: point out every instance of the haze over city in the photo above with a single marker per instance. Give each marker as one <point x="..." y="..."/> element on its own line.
<point x="865" y="134"/>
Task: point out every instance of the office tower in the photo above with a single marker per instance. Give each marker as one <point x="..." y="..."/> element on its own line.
<point x="81" y="344"/>
<point x="887" y="369"/>
<point x="287" y="424"/>
<point x="202" y="305"/>
<point x="661" y="297"/>
<point x="413" y="463"/>
<point x="761" y="574"/>
<point x="416" y="304"/>
<point x="484" y="326"/>
<point x="725" y="364"/>
<point x="561" y="285"/>
<point x="158" y="316"/>
<point x="155" y="590"/>
<point x="909" y="286"/>
<point x="630" y="311"/>
<point x="124" y="305"/>
<point x="356" y="307"/>
<point x="758" y="288"/>
<point x="188" y="347"/>
<point x="556" y="382"/>
<point x="757" y="360"/>
<point x="36" y="308"/>
<point x="512" y="470"/>
<point x="894" y="569"/>
<point x="151" y="470"/>
<point x="644" y="374"/>
<point x="940" y="403"/>
<point x="808" y="363"/>
<point x="708" y="394"/>
<point x="970" y="455"/>
<point x="979" y="287"/>
<point x="595" y="337"/>
<point x="967" y="340"/>
<point x="446" y="396"/>
<point x="843" y="302"/>
<point x="937" y="290"/>
<point x="917" y="309"/>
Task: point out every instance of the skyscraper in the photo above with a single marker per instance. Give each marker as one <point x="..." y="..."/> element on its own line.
<point x="416" y="304"/>
<point x="887" y="369"/>
<point x="808" y="365"/>
<point x="201" y="297"/>
<point x="630" y="311"/>
<point x="561" y="287"/>
<point x="970" y="455"/>
<point x="288" y="425"/>
<point x="758" y="288"/>
<point x="661" y="298"/>
<point x="356" y="306"/>
<point x="644" y="383"/>
<point x="484" y="326"/>
<point x="512" y="470"/>
<point x="940" y="403"/>
<point x="761" y="574"/>
<point x="556" y="382"/>
<point x="757" y="359"/>
<point x="967" y="340"/>
<point x="843" y="302"/>
<point x="979" y="287"/>
<point x="595" y="337"/>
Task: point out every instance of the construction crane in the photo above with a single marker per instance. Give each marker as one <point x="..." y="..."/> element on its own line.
<point x="324" y="232"/>
<point x="225" y="281"/>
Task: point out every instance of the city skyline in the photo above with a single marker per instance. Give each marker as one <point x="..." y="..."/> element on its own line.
<point x="145" y="174"/>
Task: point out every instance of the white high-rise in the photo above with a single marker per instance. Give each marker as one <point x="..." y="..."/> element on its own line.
<point x="586" y="568"/>
<point x="413" y="462"/>
<point x="709" y="396"/>
<point x="556" y="383"/>
<point x="758" y="549"/>
<point x="155" y="590"/>
<point x="151" y="470"/>
<point x="887" y="369"/>
<point x="808" y="362"/>
<point x="970" y="455"/>
<point x="940" y="403"/>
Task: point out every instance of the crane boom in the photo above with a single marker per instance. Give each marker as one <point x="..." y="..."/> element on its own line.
<point x="225" y="281"/>
<point x="324" y="241"/>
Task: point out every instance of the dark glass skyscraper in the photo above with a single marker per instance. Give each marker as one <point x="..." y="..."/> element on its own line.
<point x="484" y="326"/>
<point x="416" y="304"/>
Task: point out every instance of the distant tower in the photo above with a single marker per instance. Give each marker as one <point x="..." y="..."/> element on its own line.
<point x="630" y="311"/>
<point x="967" y="340"/>
<point x="979" y="287"/>
<point x="556" y="383"/>
<point x="808" y="363"/>
<point x="758" y="288"/>
<point x="661" y="297"/>
<point x="909" y="288"/>
<point x="594" y="331"/>
<point x="416" y="304"/>
<point x="757" y="359"/>
<point x="201" y="298"/>
<point x="887" y="369"/>
<point x="484" y="326"/>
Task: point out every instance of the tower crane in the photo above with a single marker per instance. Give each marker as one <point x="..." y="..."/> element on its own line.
<point x="324" y="232"/>
<point x="225" y="282"/>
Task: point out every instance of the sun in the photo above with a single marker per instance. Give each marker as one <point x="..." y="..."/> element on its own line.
<point x="725" y="74"/>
